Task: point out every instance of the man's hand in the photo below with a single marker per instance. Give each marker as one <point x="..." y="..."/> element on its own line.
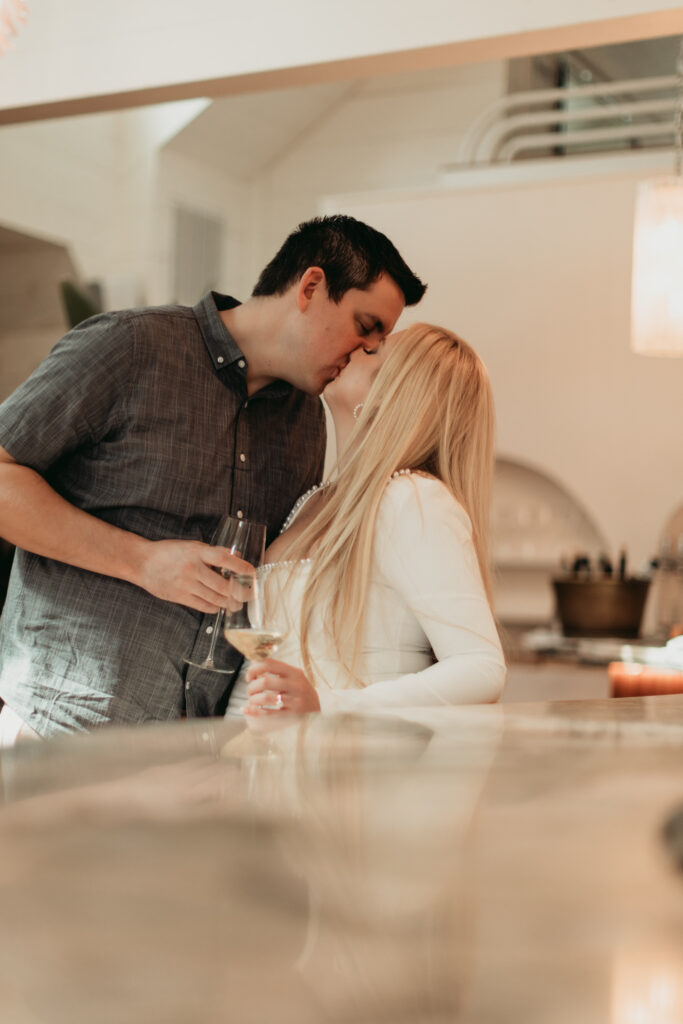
<point x="188" y="572"/>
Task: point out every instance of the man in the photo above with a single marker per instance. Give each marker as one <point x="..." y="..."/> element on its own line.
<point x="122" y="451"/>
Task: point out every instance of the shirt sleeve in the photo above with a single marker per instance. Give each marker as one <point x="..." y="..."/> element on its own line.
<point x="424" y="552"/>
<point x="76" y="395"/>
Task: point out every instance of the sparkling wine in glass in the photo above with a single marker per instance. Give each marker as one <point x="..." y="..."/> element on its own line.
<point x="255" y="644"/>
<point x="246" y="539"/>
<point x="257" y="626"/>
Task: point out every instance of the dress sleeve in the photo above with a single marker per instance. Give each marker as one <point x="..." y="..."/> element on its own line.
<point x="424" y="552"/>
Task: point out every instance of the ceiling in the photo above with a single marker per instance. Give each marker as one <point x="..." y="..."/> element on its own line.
<point x="242" y="136"/>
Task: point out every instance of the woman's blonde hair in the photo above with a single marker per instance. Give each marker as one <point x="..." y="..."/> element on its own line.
<point x="429" y="410"/>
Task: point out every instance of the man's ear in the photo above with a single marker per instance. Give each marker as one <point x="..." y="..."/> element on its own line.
<point x="312" y="279"/>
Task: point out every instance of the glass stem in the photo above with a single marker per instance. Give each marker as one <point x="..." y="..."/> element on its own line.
<point x="218" y="621"/>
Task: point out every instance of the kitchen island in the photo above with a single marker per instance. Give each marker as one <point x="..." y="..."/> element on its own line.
<point x="489" y="865"/>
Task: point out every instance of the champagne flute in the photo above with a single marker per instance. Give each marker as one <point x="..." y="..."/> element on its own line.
<point x="246" y="539"/>
<point x="257" y="626"/>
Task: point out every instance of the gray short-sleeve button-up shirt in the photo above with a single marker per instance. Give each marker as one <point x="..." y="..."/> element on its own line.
<point x="141" y="418"/>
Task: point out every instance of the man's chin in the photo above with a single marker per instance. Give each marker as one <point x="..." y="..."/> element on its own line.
<point x="314" y="389"/>
<point x="330" y="380"/>
<point x="319" y="386"/>
<point x="322" y="388"/>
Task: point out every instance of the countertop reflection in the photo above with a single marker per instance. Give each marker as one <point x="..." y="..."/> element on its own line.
<point x="476" y="864"/>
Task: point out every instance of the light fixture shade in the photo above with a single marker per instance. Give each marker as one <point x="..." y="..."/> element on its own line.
<point x="657" y="287"/>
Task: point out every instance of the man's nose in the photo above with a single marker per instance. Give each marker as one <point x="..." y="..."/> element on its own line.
<point x="371" y="350"/>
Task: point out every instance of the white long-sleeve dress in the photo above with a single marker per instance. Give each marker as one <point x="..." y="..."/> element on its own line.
<point x="429" y="638"/>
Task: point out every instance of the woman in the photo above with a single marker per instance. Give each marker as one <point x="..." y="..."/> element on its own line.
<point x="383" y="571"/>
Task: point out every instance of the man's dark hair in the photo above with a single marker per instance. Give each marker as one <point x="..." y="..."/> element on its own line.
<point x="352" y="255"/>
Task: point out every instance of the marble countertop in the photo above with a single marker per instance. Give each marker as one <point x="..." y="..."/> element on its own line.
<point x="479" y="864"/>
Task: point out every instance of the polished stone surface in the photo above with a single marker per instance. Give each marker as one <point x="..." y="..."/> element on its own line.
<point x="480" y="864"/>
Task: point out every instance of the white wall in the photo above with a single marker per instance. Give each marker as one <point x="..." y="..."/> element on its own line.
<point x="182" y="181"/>
<point x="58" y="181"/>
<point x="386" y="133"/>
<point x="105" y="185"/>
<point x="88" y="182"/>
<point x="536" y="273"/>
<point x="76" y="56"/>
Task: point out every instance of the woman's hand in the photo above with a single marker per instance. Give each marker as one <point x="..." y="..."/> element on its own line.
<point x="275" y="686"/>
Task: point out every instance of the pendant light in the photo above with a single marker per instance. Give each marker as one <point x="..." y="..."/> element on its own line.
<point x="657" y="285"/>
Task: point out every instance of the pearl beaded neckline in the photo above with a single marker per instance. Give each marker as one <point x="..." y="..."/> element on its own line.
<point x="307" y="495"/>
<point x="298" y="505"/>
<point x="300" y="502"/>
<point x="269" y="566"/>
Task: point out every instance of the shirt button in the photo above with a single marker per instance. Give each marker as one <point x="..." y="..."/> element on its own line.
<point x="209" y="629"/>
<point x="245" y="405"/>
<point x="187" y="686"/>
<point x="220" y="359"/>
<point x="241" y="363"/>
<point x="240" y="513"/>
<point x="243" y="457"/>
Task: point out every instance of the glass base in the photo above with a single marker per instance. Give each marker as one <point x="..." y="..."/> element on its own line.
<point x="206" y="667"/>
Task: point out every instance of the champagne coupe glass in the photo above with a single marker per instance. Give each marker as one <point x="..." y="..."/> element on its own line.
<point x="258" y="624"/>
<point x="247" y="540"/>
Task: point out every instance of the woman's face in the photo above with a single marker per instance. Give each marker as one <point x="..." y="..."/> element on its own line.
<point x="354" y="382"/>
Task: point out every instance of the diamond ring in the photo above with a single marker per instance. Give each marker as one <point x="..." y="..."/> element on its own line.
<point x="277" y="705"/>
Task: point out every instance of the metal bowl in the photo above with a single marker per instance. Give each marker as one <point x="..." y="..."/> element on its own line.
<point x="604" y="607"/>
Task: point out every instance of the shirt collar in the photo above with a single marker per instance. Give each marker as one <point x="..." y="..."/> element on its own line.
<point x="222" y="347"/>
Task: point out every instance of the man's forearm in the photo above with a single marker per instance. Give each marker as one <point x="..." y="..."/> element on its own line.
<point x="34" y="517"/>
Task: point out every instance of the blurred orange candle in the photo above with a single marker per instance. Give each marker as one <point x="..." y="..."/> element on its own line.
<point x="631" y="680"/>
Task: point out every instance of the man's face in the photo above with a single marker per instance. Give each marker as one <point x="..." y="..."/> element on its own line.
<point x="334" y="330"/>
<point x="353" y="384"/>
